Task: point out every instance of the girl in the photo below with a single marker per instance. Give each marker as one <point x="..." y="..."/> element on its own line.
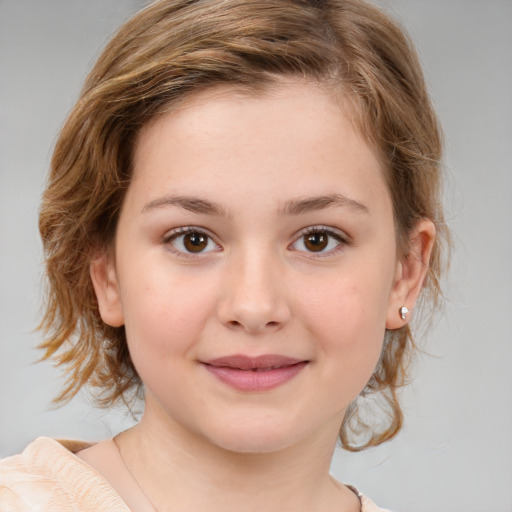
<point x="241" y="215"/>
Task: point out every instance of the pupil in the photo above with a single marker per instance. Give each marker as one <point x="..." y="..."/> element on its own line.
<point x="316" y="241"/>
<point x="195" y="242"/>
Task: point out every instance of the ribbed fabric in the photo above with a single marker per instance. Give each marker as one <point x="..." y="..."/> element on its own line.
<point x="48" y="477"/>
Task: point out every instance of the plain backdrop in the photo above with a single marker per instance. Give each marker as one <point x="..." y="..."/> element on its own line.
<point x="455" y="452"/>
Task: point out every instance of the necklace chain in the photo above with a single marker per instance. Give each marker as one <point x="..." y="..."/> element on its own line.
<point x="132" y="475"/>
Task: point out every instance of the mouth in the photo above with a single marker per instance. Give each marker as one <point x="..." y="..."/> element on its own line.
<point x="255" y="373"/>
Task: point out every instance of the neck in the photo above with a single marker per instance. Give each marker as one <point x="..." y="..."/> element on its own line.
<point x="181" y="471"/>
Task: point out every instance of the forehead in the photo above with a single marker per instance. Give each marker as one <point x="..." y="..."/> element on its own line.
<point x="289" y="132"/>
<point x="280" y="89"/>
<point x="292" y="100"/>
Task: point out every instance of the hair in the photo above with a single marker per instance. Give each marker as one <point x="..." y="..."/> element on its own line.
<point x="174" y="47"/>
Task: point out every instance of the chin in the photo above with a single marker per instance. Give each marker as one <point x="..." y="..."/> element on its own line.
<point x="254" y="444"/>
<point x="254" y="438"/>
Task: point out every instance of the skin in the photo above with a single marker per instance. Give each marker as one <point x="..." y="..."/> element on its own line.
<point x="256" y="287"/>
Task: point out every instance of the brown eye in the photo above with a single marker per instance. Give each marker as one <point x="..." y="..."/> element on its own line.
<point x="316" y="242"/>
<point x="190" y="241"/>
<point x="195" y="242"/>
<point x="323" y="241"/>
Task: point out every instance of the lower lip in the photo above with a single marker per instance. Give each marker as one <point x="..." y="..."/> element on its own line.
<point x="249" y="380"/>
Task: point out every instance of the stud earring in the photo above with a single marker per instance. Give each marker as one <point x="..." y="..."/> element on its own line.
<point x="403" y="312"/>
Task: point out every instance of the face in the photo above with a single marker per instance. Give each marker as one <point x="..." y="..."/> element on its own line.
<point x="255" y="266"/>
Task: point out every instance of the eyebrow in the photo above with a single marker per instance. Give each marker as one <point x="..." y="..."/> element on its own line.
<point x="313" y="204"/>
<point x="292" y="207"/>
<point x="190" y="203"/>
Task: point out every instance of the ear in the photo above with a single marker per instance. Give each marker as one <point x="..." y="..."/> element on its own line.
<point x="104" y="279"/>
<point x="410" y="274"/>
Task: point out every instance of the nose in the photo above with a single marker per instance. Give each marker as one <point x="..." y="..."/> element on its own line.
<point x="254" y="295"/>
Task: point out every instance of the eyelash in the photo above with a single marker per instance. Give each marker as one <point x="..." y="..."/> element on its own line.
<point x="341" y="240"/>
<point x="187" y="230"/>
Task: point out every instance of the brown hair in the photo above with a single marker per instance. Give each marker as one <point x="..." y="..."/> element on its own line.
<point x="173" y="47"/>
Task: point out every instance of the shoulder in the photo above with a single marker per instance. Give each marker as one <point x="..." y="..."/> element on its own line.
<point x="48" y="476"/>
<point x="367" y="505"/>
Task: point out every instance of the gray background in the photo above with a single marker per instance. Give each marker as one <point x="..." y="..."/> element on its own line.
<point x="455" y="452"/>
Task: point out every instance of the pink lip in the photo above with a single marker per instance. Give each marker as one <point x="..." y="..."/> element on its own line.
<point x="255" y="373"/>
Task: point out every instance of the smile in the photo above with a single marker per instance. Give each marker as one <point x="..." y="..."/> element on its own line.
<point x="255" y="374"/>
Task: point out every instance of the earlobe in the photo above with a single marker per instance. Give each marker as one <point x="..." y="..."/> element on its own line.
<point x="106" y="287"/>
<point x="411" y="273"/>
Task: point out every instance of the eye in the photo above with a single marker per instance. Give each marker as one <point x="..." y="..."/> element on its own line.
<point x="191" y="240"/>
<point x="319" y="239"/>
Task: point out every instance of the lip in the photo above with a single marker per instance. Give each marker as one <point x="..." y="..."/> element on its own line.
<point x="260" y="373"/>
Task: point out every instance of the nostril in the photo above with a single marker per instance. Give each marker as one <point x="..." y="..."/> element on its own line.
<point x="253" y="328"/>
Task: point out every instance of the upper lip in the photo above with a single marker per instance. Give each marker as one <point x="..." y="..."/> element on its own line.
<point x="242" y="362"/>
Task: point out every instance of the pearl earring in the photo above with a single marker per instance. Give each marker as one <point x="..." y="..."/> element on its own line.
<point x="403" y="312"/>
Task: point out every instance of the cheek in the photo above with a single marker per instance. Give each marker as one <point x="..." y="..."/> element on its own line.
<point x="347" y="317"/>
<point x="164" y="316"/>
